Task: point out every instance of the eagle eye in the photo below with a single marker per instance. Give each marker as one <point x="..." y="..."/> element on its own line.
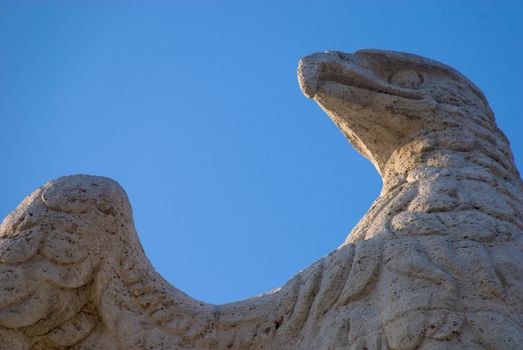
<point x="406" y="79"/>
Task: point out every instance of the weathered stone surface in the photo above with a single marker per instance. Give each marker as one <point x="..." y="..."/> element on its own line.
<point x="436" y="263"/>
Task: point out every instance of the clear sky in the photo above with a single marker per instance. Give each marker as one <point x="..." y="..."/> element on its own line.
<point x="237" y="181"/>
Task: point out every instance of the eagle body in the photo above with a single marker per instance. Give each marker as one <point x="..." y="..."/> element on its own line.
<point x="436" y="263"/>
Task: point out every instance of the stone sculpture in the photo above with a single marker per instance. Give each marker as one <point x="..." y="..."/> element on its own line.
<point x="436" y="263"/>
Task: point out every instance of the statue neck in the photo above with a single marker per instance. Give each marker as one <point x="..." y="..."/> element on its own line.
<point x="451" y="153"/>
<point x="441" y="178"/>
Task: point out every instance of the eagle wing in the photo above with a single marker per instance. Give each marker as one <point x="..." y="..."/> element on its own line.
<point x="73" y="274"/>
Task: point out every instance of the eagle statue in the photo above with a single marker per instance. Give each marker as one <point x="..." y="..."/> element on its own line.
<point x="436" y="263"/>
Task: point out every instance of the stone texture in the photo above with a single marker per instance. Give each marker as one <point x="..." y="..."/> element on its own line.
<point x="436" y="263"/>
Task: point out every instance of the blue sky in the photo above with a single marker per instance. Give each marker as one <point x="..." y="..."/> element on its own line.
<point x="237" y="181"/>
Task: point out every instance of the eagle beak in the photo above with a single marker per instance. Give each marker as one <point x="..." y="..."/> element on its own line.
<point x="308" y="75"/>
<point x="315" y="69"/>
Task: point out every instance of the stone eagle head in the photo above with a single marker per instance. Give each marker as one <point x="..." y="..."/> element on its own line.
<point x="383" y="100"/>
